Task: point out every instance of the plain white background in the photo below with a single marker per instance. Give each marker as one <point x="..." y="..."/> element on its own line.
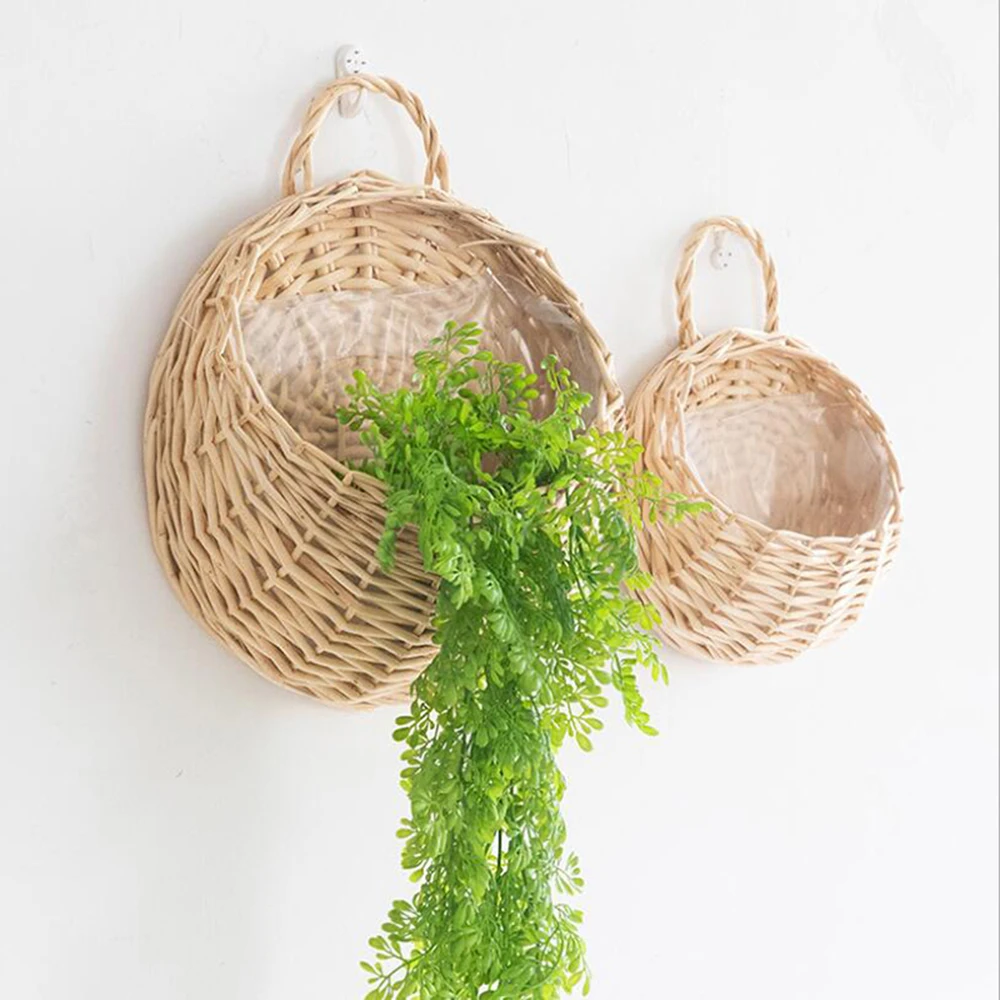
<point x="171" y="826"/>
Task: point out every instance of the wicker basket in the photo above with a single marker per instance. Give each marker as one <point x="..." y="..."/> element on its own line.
<point x="266" y="534"/>
<point x="760" y="580"/>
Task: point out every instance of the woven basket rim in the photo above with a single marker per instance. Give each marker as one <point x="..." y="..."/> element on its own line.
<point x="386" y="188"/>
<point x="782" y="345"/>
<point x="429" y="196"/>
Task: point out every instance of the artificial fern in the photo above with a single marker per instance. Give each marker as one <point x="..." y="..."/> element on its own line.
<point x="530" y="524"/>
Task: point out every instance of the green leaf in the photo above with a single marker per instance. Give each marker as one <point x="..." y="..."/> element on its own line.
<point x="530" y="523"/>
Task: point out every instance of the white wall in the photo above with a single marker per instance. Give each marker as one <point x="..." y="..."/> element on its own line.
<point x="171" y="826"/>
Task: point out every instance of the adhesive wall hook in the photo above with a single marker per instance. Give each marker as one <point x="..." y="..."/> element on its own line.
<point x="721" y="255"/>
<point x="350" y="60"/>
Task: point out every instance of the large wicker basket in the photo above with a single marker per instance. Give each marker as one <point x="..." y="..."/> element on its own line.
<point x="811" y="512"/>
<point x="265" y="532"/>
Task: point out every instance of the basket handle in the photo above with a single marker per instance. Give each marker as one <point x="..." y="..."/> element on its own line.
<point x="299" y="160"/>
<point x="687" y="332"/>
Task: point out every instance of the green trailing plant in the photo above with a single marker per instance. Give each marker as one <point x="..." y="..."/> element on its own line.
<point x="530" y="524"/>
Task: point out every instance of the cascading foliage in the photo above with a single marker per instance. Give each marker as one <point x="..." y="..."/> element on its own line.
<point x="530" y="524"/>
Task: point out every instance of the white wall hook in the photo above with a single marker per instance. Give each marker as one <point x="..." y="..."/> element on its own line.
<point x="721" y="255"/>
<point x="350" y="59"/>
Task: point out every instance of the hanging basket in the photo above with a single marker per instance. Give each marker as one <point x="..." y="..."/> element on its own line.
<point x="265" y="531"/>
<point x="804" y="485"/>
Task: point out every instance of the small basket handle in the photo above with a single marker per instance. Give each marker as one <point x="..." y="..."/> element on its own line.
<point x="687" y="332"/>
<point x="299" y="160"/>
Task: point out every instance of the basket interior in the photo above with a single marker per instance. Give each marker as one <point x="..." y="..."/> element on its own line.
<point x="304" y="349"/>
<point x="782" y="441"/>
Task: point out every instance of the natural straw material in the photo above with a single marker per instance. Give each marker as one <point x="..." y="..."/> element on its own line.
<point x="730" y="587"/>
<point x="268" y="538"/>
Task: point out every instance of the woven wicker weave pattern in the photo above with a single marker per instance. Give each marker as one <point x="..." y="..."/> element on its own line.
<point x="268" y="539"/>
<point x="731" y="588"/>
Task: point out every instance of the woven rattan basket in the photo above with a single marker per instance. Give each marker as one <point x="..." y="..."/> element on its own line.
<point x="790" y="561"/>
<point x="265" y="532"/>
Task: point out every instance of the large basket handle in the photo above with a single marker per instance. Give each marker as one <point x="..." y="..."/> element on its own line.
<point x="687" y="332"/>
<point x="299" y="160"/>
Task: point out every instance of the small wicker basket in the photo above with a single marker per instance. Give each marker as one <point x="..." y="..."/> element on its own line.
<point x="266" y="534"/>
<point x="804" y="485"/>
